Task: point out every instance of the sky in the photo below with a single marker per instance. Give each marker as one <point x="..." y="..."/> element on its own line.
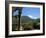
<point x="31" y="12"/>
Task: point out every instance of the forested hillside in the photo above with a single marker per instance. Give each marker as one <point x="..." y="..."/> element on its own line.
<point x="26" y="23"/>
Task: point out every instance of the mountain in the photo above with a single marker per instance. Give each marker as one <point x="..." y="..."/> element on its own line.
<point x="24" y="19"/>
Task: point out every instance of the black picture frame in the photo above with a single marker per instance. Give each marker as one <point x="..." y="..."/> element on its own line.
<point x="7" y="18"/>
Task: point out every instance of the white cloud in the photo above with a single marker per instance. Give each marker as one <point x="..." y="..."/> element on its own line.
<point x="32" y="17"/>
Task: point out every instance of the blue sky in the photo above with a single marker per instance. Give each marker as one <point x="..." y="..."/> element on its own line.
<point x="31" y="12"/>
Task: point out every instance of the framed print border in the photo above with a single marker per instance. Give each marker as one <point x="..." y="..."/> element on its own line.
<point x="7" y="18"/>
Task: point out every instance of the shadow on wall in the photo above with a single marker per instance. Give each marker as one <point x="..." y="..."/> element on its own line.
<point x="12" y="37"/>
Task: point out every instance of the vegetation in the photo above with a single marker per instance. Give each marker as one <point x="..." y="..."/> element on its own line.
<point x="26" y="23"/>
